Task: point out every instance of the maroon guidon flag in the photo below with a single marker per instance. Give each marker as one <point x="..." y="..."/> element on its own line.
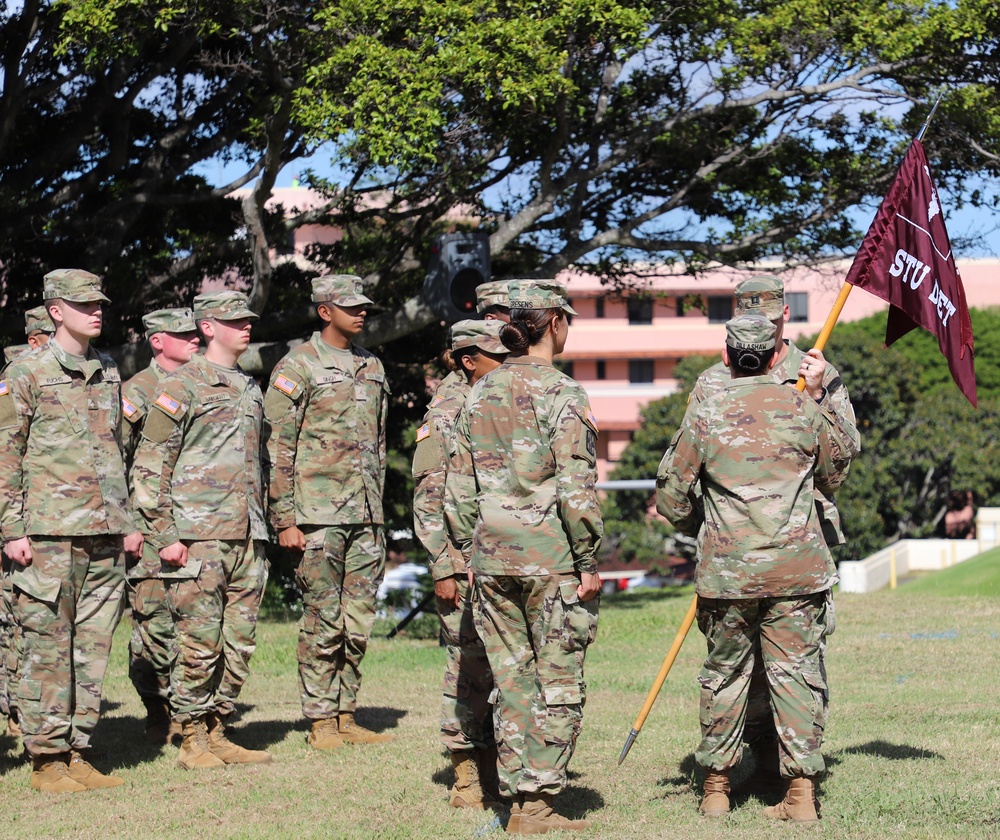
<point x="906" y="260"/>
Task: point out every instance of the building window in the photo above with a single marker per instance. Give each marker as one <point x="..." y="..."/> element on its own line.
<point x="798" y="305"/>
<point x="720" y="309"/>
<point x="640" y="371"/>
<point x="601" y="372"/>
<point x="640" y="310"/>
<point x="599" y="308"/>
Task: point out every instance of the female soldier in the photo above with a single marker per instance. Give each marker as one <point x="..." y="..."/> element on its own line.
<point x="465" y="707"/>
<point x="520" y="502"/>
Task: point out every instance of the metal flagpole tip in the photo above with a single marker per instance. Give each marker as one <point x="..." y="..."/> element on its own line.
<point x="628" y="745"/>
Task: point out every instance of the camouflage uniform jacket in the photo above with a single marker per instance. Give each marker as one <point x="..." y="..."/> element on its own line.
<point x="743" y="469"/>
<point x="61" y="467"/>
<point x="836" y="400"/>
<point x="326" y="437"/>
<point x="137" y="395"/>
<point x="520" y="495"/>
<point x="197" y="470"/>
<point x="430" y="462"/>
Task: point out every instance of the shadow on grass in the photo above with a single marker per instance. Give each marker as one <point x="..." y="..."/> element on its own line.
<point x="640" y="598"/>
<point x="884" y="749"/>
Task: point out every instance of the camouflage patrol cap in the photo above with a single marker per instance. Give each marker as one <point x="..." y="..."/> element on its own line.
<point x="751" y="331"/>
<point x="74" y="285"/>
<point x="169" y="320"/>
<point x="223" y="306"/>
<point x="484" y="335"/>
<point x="764" y="293"/>
<point x="493" y="293"/>
<point x="37" y="320"/>
<point x="538" y="294"/>
<point x="340" y="290"/>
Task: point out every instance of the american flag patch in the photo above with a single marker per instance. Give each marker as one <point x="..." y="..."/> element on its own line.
<point x="129" y="409"/>
<point x="3" y="388"/>
<point x="592" y="419"/>
<point x="168" y="404"/>
<point x="436" y="401"/>
<point x="423" y="432"/>
<point x="285" y="385"/>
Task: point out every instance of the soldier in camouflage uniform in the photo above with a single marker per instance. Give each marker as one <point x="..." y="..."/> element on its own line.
<point x="520" y="501"/>
<point x="198" y="484"/>
<point x="765" y="294"/>
<point x="64" y="513"/>
<point x="173" y="338"/>
<point x="325" y="415"/>
<point x="38" y="329"/>
<point x="465" y="708"/>
<point x="742" y="473"/>
<point x="491" y="304"/>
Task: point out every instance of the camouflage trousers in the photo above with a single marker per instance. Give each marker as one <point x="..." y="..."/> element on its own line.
<point x="215" y="616"/>
<point x="339" y="575"/>
<point x="792" y="635"/>
<point x="67" y="602"/>
<point x="536" y="632"/>
<point x="10" y="643"/>
<point x="468" y="681"/>
<point x="151" y="648"/>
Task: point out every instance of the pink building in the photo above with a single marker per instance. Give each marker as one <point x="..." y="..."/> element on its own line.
<point x="623" y="350"/>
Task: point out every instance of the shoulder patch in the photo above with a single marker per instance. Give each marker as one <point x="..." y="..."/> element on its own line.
<point x="285" y="385"/>
<point x="168" y="404"/>
<point x="436" y="401"/>
<point x="3" y="387"/>
<point x="592" y="419"/>
<point x="129" y="409"/>
<point x="424" y="432"/>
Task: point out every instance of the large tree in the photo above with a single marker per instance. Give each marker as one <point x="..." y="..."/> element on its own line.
<point x="595" y="132"/>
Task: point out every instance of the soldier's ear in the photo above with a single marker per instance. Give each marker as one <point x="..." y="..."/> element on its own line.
<point x="324" y="312"/>
<point x="725" y="355"/>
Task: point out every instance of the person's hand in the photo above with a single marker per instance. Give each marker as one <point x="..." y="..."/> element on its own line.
<point x="590" y="585"/>
<point x="812" y="369"/>
<point x="175" y="554"/>
<point x="133" y="543"/>
<point x="19" y="551"/>
<point x="293" y="538"/>
<point x="447" y="590"/>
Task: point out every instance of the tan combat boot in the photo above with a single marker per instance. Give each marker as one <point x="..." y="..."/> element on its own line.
<point x="354" y="733"/>
<point x="13" y="727"/>
<point x="799" y="804"/>
<point x="221" y="747"/>
<point x="324" y="735"/>
<point x="50" y="774"/>
<point x="535" y="816"/>
<point x="467" y="792"/>
<point x="195" y="753"/>
<point x="157" y="720"/>
<point x="715" y="802"/>
<point x="84" y="773"/>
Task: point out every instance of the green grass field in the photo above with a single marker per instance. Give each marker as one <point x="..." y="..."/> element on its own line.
<point x="913" y="743"/>
<point x="979" y="576"/>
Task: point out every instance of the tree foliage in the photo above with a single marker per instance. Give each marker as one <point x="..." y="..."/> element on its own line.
<point x="597" y="132"/>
